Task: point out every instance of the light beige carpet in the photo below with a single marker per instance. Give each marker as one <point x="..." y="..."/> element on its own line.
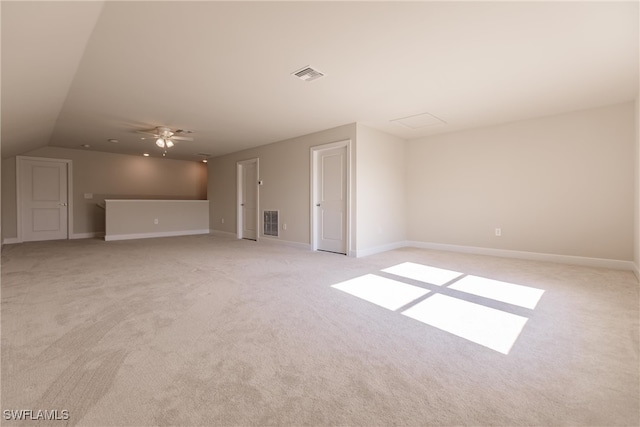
<point x="207" y="330"/>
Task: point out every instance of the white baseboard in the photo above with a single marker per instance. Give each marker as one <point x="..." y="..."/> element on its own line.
<point x="533" y="256"/>
<point x="264" y="239"/>
<point x="379" y="249"/>
<point x="157" y="234"/>
<point x="14" y="240"/>
<point x="91" y="235"/>
<point x="289" y="243"/>
<point x="636" y="271"/>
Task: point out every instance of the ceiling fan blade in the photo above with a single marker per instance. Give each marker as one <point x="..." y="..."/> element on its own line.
<point x="148" y="132"/>
<point x="181" y="138"/>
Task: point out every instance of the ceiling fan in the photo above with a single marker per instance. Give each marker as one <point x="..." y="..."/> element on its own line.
<point x="165" y="137"/>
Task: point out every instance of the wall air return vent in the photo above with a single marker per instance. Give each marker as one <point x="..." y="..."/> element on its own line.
<point x="308" y="74"/>
<point x="270" y="225"/>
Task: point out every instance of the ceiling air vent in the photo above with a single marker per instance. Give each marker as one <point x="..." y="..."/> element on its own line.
<point x="419" y="121"/>
<point x="308" y="74"/>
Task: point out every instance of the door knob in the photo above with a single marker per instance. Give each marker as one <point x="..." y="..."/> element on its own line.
<point x="241" y="204"/>
<point x="317" y="204"/>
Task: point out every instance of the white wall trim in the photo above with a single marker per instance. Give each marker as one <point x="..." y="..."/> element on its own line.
<point x="158" y="234"/>
<point x="534" y="256"/>
<point x="270" y="240"/>
<point x="155" y="200"/>
<point x="636" y="271"/>
<point x="223" y="233"/>
<point x="91" y="235"/>
<point x="380" y="249"/>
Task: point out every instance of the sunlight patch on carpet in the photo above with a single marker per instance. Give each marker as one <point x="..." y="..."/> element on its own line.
<point x="387" y="293"/>
<point x="423" y="273"/>
<point x="495" y="329"/>
<point x="522" y="296"/>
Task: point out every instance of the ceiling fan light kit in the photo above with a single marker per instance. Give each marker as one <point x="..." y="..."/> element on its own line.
<point x="165" y="137"/>
<point x="164" y="143"/>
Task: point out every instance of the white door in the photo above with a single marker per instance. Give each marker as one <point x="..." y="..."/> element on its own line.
<point x="43" y="199"/>
<point x="330" y="199"/>
<point x="248" y="197"/>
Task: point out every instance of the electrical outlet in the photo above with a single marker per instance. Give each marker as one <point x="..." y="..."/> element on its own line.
<point x="155" y="221"/>
<point x="498" y="232"/>
<point x="222" y="220"/>
<point x="284" y="226"/>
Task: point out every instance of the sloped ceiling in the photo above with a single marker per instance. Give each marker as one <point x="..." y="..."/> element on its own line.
<point x="77" y="73"/>
<point x="42" y="46"/>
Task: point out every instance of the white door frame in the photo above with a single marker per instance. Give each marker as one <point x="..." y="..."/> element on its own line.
<point x="19" y="167"/>
<point x="312" y="207"/>
<point x="240" y="182"/>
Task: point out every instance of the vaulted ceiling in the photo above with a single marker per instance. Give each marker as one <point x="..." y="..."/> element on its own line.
<point x="76" y="73"/>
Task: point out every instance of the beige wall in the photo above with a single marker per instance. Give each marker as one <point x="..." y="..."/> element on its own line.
<point x="285" y="169"/>
<point x="636" y="233"/>
<point x="558" y="185"/>
<point x="1" y="190"/>
<point x="381" y="198"/>
<point x="636" y="246"/>
<point x="108" y="175"/>
<point x="129" y="219"/>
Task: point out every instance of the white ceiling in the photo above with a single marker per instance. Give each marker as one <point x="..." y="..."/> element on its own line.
<point x="78" y="73"/>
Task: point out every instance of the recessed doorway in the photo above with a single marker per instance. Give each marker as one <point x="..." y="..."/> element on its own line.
<point x="248" y="199"/>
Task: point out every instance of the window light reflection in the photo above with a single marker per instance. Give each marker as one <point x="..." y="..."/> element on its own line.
<point x="495" y="329"/>
<point x="381" y="291"/>
<point x="523" y="296"/>
<point x="423" y="273"/>
<point x="483" y="325"/>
